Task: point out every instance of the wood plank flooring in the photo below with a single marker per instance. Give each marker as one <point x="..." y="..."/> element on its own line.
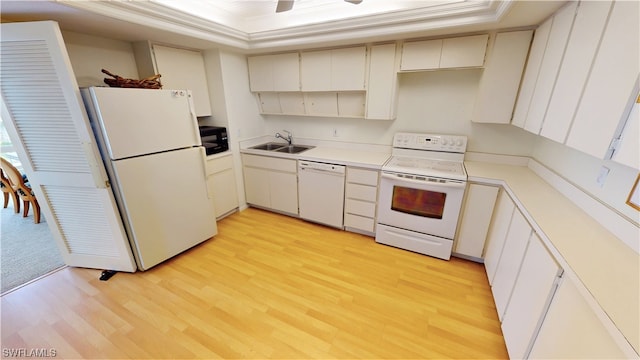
<point x="267" y="286"/>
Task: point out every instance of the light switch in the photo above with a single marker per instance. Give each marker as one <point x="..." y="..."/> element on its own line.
<point x="602" y="176"/>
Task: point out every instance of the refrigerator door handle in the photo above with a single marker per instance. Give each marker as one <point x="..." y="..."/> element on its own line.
<point x="203" y="153"/>
<point x="96" y="166"/>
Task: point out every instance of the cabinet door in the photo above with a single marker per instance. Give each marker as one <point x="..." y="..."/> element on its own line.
<point x="291" y="103"/>
<point x="476" y="217"/>
<point x="283" y="188"/>
<point x="571" y="330"/>
<point x="260" y="74"/>
<point x="315" y="71"/>
<point x="351" y="104"/>
<point x="256" y="187"/>
<point x="421" y="55"/>
<point x="531" y="73"/>
<point x="501" y="77"/>
<point x="348" y="69"/>
<point x="184" y="69"/>
<point x="532" y="293"/>
<point x="498" y="233"/>
<point x="383" y="83"/>
<point x="581" y="49"/>
<point x="321" y="103"/>
<point x="269" y="103"/>
<point x="510" y="261"/>
<point x="274" y="72"/>
<point x="286" y="72"/>
<point x="613" y="76"/>
<point x="467" y="51"/>
<point x="562" y="23"/>
<point x="225" y="196"/>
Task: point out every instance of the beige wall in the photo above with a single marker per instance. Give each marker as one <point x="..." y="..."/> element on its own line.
<point x="90" y="54"/>
<point x="430" y="102"/>
<point x="582" y="170"/>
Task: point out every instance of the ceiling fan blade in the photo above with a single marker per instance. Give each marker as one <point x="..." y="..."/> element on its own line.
<point x="354" y="1"/>
<point x="284" y="5"/>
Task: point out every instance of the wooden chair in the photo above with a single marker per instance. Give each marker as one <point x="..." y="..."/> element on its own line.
<point x="9" y="190"/>
<point x="22" y="189"/>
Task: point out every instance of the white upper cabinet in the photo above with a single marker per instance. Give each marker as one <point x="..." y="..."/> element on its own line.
<point x="274" y="72"/>
<point x="581" y="49"/>
<point x="467" y="51"/>
<point x="333" y="70"/>
<point x="558" y="37"/>
<point x="421" y="55"/>
<point x="180" y="69"/>
<point x="501" y="77"/>
<point x="382" y="90"/>
<point x="610" y="84"/>
<point x="530" y="78"/>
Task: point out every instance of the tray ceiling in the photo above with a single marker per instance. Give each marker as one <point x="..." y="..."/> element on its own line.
<point x="254" y="26"/>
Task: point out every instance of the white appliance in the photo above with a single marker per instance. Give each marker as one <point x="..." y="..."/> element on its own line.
<point x="321" y="192"/>
<point x="150" y="144"/>
<point x="420" y="194"/>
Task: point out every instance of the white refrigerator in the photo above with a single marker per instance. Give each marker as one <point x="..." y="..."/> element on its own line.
<point x="150" y="144"/>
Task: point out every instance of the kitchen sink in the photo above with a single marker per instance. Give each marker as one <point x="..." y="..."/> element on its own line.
<point x="269" y="146"/>
<point x="280" y="147"/>
<point x="293" y="149"/>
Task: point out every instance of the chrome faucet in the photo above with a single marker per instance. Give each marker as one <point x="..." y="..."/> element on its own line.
<point x="288" y="139"/>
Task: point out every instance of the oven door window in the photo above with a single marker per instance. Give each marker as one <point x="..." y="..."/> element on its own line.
<point x="418" y="202"/>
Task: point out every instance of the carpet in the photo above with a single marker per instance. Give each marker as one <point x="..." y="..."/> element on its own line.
<point x="27" y="250"/>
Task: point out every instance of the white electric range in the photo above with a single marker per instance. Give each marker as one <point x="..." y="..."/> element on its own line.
<point x="421" y="190"/>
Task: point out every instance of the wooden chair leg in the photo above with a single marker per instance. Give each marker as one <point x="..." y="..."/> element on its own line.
<point x="26" y="208"/>
<point x="16" y="202"/>
<point x="36" y="211"/>
<point x="6" y="200"/>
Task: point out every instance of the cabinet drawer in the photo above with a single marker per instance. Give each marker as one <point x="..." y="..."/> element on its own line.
<point x="219" y="164"/>
<point x="358" y="207"/>
<point x="361" y="192"/>
<point x="271" y="163"/>
<point x="361" y="176"/>
<point x="359" y="222"/>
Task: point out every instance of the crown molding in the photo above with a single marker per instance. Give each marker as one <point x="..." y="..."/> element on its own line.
<point x="391" y="25"/>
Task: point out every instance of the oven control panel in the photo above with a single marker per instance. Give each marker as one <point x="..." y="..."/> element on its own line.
<point x="432" y="142"/>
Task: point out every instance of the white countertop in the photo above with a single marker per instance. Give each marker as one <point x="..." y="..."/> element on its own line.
<point x="608" y="268"/>
<point x="334" y="155"/>
<point x="349" y="157"/>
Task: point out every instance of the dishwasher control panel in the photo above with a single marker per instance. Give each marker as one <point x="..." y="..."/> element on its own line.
<point x="319" y="166"/>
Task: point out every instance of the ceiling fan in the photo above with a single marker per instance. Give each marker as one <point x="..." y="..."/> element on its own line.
<point x="286" y="5"/>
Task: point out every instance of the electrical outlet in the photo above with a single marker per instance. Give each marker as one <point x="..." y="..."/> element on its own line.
<point x="335" y="132"/>
<point x="602" y="176"/>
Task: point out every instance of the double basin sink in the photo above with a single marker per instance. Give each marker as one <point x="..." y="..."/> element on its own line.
<point x="283" y="148"/>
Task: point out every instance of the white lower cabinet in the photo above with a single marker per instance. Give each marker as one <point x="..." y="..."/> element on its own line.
<point x="497" y="236"/>
<point x="271" y="183"/>
<point x="532" y="293"/>
<point x="361" y="193"/>
<point x="476" y="217"/>
<point x="572" y="330"/>
<point x="510" y="261"/>
<point x="221" y="183"/>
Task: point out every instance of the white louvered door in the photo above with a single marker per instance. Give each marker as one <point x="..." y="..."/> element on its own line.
<point x="46" y="120"/>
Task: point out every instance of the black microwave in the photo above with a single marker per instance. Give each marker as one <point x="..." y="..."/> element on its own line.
<point x="214" y="139"/>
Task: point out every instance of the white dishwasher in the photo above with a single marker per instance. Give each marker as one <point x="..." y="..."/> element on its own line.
<point x="321" y="192"/>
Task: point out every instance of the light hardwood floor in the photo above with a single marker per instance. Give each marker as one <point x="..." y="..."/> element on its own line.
<point x="267" y="286"/>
